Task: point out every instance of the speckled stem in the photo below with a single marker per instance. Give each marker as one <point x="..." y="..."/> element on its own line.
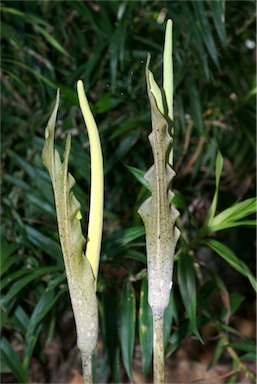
<point x="87" y="368"/>
<point x="158" y="348"/>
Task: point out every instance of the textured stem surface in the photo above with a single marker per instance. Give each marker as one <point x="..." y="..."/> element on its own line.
<point x="87" y="368"/>
<point x="80" y="273"/>
<point x="158" y="348"/>
<point x="157" y="212"/>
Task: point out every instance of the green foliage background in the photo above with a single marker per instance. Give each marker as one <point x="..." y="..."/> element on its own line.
<point x="46" y="45"/>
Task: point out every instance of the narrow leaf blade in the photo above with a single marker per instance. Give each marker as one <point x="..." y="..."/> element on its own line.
<point x="211" y="213"/>
<point x="128" y="322"/>
<point x="187" y="286"/>
<point x="11" y="359"/>
<point x="145" y="328"/>
<point x="227" y="254"/>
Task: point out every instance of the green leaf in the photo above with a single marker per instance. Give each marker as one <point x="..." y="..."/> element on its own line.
<point x="119" y="153"/>
<point x="110" y="333"/>
<point x="211" y="213"/>
<point x="244" y="346"/>
<point x="243" y="223"/>
<point x="228" y="255"/>
<point x="37" y="75"/>
<point x="182" y="332"/>
<point x="235" y="301"/>
<point x="125" y="127"/>
<point x="46" y="302"/>
<point x="30" y="343"/>
<point x="179" y="202"/>
<point x="145" y="328"/>
<point x="218" y="351"/>
<point x="233" y="379"/>
<point x="127" y="326"/>
<point x="230" y="216"/>
<point x="135" y="255"/>
<point x="100" y="368"/>
<point x="249" y="357"/>
<point x="87" y="13"/>
<point x="45" y="243"/>
<point x="229" y="329"/>
<point x="11" y="359"/>
<point x="195" y="107"/>
<point x="218" y="15"/>
<point x="139" y="175"/>
<point x="44" y="305"/>
<point x="23" y="282"/>
<point x="51" y="40"/>
<point x="20" y="319"/>
<point x="131" y="234"/>
<point x="7" y="258"/>
<point x="13" y="276"/>
<point x="205" y="29"/>
<point x="33" y="19"/>
<point x="106" y="103"/>
<point x="8" y="32"/>
<point x="187" y="286"/>
<point x="38" y="176"/>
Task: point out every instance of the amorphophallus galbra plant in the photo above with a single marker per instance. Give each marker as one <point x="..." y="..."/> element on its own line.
<point x="81" y="268"/>
<point x="157" y="213"/>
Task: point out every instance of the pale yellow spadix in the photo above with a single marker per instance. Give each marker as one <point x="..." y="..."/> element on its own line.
<point x="95" y="224"/>
<point x="168" y="78"/>
<point x="164" y="100"/>
<point x="168" y="69"/>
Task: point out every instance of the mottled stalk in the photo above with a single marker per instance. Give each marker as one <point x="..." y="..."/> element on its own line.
<point x="81" y="268"/>
<point x="87" y="368"/>
<point x="158" y="348"/>
<point x="157" y="212"/>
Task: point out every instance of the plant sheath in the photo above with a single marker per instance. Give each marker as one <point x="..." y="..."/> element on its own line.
<point x="157" y="213"/>
<point x="81" y="268"/>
